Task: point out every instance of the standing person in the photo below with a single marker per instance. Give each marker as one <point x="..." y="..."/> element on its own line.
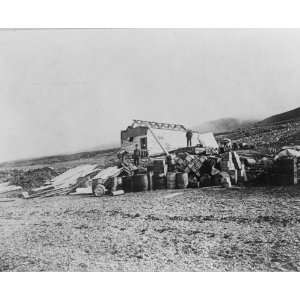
<point x="136" y="155"/>
<point x="189" y="135"/>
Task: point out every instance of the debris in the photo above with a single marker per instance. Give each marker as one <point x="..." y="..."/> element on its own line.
<point x="222" y="179"/>
<point x="117" y="193"/>
<point x="128" y="168"/>
<point x="83" y="191"/>
<point x="98" y="188"/>
<point x="7" y="187"/>
<point x="173" y="195"/>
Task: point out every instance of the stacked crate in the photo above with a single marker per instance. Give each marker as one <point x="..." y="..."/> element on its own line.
<point x="190" y="163"/>
<point x="258" y="173"/>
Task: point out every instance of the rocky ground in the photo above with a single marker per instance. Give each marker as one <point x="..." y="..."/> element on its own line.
<point x="210" y="229"/>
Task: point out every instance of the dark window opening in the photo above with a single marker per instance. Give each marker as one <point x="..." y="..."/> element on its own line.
<point x="144" y="143"/>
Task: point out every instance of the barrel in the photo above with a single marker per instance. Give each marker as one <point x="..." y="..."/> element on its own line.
<point x="140" y="182"/>
<point x="97" y="188"/>
<point x="127" y="184"/>
<point x="182" y="180"/>
<point x="113" y="184"/>
<point x="159" y="182"/>
<point x="171" y="180"/>
<point x="222" y="179"/>
<point x="205" y="180"/>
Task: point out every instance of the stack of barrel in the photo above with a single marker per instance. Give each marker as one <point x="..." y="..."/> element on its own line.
<point x="285" y="171"/>
<point x="170" y="180"/>
<point x="177" y="180"/>
<point x="182" y="180"/>
<point x="140" y="182"/>
<point x="135" y="183"/>
<point x="298" y="170"/>
<point x="159" y="174"/>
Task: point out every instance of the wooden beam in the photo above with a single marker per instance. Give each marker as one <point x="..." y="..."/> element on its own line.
<point x="157" y="140"/>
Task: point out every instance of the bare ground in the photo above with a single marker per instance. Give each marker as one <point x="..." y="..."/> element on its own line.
<point x="252" y="229"/>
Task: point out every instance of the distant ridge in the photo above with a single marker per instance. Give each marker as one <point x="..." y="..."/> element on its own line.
<point x="223" y="125"/>
<point x="291" y="115"/>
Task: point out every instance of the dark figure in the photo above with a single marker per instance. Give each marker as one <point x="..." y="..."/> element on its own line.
<point x="189" y="135"/>
<point x="136" y="155"/>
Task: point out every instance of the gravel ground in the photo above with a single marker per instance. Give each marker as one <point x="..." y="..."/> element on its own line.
<point x="252" y="229"/>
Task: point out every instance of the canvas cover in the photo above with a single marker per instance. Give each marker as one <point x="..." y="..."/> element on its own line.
<point x="172" y="140"/>
<point x="287" y="153"/>
<point x="206" y="139"/>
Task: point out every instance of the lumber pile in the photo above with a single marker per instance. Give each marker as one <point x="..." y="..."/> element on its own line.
<point x="66" y="182"/>
<point x="6" y="187"/>
<point x="106" y="180"/>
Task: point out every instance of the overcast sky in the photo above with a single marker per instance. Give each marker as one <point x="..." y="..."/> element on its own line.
<point x="67" y="90"/>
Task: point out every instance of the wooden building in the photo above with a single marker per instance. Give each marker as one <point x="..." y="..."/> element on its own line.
<point x="153" y="137"/>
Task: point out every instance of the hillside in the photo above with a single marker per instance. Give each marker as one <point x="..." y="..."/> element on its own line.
<point x="271" y="134"/>
<point x="291" y="115"/>
<point x="63" y="161"/>
<point x="223" y="125"/>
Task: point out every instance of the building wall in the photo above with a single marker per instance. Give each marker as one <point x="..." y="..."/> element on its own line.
<point x="130" y="146"/>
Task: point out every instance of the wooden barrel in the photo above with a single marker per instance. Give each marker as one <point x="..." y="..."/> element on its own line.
<point x="127" y="184"/>
<point x="182" y="180"/>
<point x="98" y="188"/>
<point x="140" y="182"/>
<point x="171" y="180"/>
<point x="222" y="179"/>
<point x="159" y="182"/>
<point x="205" y="180"/>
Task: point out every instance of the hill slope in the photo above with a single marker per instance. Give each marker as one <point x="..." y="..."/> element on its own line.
<point x="224" y="124"/>
<point x="291" y="115"/>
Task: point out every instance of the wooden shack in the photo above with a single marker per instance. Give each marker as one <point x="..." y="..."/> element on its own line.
<point x="153" y="137"/>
